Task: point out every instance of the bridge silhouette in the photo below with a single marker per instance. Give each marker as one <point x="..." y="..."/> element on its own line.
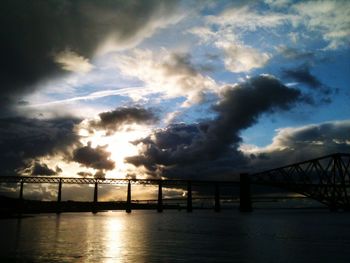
<point x="325" y="179"/>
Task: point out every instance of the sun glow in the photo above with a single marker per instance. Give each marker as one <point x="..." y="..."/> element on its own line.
<point x="120" y="146"/>
<point x="115" y="240"/>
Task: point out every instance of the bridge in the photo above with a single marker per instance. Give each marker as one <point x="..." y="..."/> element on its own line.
<point x="183" y="184"/>
<point x="325" y="179"/>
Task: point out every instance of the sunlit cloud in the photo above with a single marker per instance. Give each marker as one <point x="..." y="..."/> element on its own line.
<point x="240" y="58"/>
<point x="171" y="74"/>
<point x="119" y="145"/>
<point x="71" y="61"/>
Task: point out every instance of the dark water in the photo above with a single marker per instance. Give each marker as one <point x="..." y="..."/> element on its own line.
<point x="176" y="236"/>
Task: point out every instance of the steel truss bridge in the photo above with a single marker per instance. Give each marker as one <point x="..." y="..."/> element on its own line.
<point x="325" y="179"/>
<point x="161" y="183"/>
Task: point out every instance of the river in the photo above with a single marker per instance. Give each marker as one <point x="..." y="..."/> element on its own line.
<point x="264" y="235"/>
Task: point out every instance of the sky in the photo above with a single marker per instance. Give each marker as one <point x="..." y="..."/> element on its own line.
<point x="171" y="89"/>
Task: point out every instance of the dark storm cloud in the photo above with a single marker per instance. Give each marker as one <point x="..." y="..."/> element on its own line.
<point x="182" y="149"/>
<point x="84" y="174"/>
<point x="303" y="75"/>
<point x="58" y="169"/>
<point x="98" y="175"/>
<point x="298" y="144"/>
<point x="41" y="169"/>
<point x="168" y="146"/>
<point x="24" y="139"/>
<point x="111" y="121"/>
<point x="34" y="31"/>
<point x="97" y="158"/>
<point x="292" y="53"/>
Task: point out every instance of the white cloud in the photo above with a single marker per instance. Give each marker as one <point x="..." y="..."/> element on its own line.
<point x="278" y="3"/>
<point x="330" y="18"/>
<point x="230" y="26"/>
<point x="240" y="58"/>
<point x="232" y="23"/>
<point x="311" y="20"/>
<point x="247" y="20"/>
<point x="71" y="61"/>
<point x="204" y="33"/>
<point x="171" y="116"/>
<point x="167" y="73"/>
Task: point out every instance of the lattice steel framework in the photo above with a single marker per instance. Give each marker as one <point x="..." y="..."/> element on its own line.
<point x="325" y="179"/>
<point x="21" y="180"/>
<point x="112" y="181"/>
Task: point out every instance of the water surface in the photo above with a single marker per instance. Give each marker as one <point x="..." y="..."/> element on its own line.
<point x="177" y="236"/>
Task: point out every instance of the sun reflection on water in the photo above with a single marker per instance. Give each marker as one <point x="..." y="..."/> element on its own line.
<point x="115" y="238"/>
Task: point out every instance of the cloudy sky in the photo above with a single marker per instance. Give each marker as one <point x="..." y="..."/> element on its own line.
<point x="171" y="89"/>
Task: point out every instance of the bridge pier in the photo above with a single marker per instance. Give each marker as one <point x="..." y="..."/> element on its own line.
<point x="59" y="196"/>
<point x="217" y="206"/>
<point x="20" y="206"/>
<point x="189" y="196"/>
<point x="94" y="209"/>
<point x="245" y="201"/>
<point x="21" y="190"/>
<point x="59" y="193"/>
<point x="160" y="197"/>
<point x="128" y="199"/>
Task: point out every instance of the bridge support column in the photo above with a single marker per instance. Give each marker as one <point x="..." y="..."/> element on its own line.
<point x="128" y="199"/>
<point x="217" y="206"/>
<point x="59" y="196"/>
<point x="189" y="196"/>
<point x="94" y="209"/>
<point x="21" y="190"/>
<point x="245" y="202"/>
<point x="160" y="197"/>
<point x="337" y="172"/>
<point x="20" y="206"/>
<point x="96" y="193"/>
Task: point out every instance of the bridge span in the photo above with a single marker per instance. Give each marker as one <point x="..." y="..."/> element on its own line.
<point x="160" y="183"/>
